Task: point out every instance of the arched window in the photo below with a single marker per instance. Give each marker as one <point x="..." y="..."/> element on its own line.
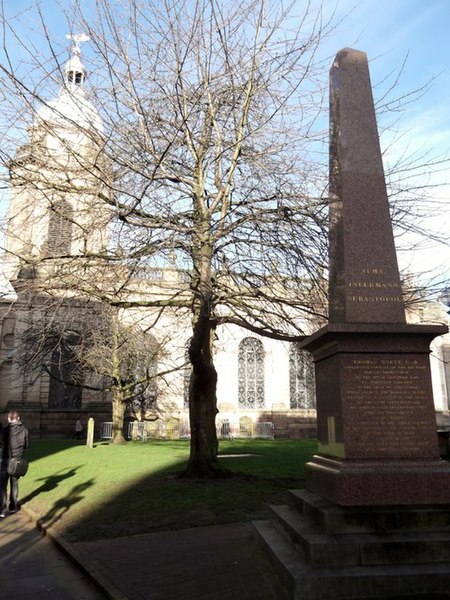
<point x="251" y="373"/>
<point x="140" y="367"/>
<point x="301" y="378"/>
<point x="59" y="238"/>
<point x="65" y="390"/>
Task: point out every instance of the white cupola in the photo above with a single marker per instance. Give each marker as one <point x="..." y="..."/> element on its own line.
<point x="71" y="111"/>
<point x="75" y="71"/>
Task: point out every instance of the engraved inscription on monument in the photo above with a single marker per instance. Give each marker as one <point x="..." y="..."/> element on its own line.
<point x="387" y="407"/>
<point x="373" y="285"/>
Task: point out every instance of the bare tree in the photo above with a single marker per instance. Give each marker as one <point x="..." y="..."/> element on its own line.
<point x="211" y="118"/>
<point x="80" y="344"/>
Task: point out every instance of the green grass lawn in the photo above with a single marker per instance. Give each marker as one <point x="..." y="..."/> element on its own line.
<point x="109" y="491"/>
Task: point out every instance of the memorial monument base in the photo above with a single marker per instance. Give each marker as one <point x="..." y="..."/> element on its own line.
<point x="374" y="520"/>
<point x="381" y="483"/>
<point x="378" y="442"/>
<point x="324" y="551"/>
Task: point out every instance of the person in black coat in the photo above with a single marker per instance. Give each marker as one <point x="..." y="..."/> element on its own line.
<point x="14" y="441"/>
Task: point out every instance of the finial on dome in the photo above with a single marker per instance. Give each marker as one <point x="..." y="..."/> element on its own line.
<point x="77" y="38"/>
<point x="75" y="70"/>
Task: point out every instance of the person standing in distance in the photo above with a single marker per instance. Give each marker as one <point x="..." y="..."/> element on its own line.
<point x="78" y="428"/>
<point x="14" y="441"/>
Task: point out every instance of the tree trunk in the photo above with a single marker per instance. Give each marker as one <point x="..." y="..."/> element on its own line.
<point x="203" y="404"/>
<point x="118" y="405"/>
<point x="118" y="413"/>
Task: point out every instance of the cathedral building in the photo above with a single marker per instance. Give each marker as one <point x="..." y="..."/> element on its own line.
<point x="57" y="217"/>
<point x="58" y="222"/>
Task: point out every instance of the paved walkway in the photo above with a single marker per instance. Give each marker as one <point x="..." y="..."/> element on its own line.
<point x="205" y="563"/>
<point x="33" y="568"/>
<point x="222" y="562"/>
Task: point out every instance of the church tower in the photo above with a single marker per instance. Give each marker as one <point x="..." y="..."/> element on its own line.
<point x="57" y="224"/>
<point x="59" y="179"/>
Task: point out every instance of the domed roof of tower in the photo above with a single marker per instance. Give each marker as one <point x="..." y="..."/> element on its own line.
<point x="72" y="110"/>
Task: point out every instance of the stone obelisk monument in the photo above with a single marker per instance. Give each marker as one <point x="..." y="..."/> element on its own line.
<point x="376" y="424"/>
<point x="374" y="519"/>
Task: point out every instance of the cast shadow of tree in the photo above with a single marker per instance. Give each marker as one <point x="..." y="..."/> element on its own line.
<point x="50" y="483"/>
<point x="63" y="505"/>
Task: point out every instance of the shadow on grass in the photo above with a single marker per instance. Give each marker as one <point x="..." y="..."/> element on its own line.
<point x="40" y="448"/>
<point x="136" y="489"/>
<point x="50" y="483"/>
<point x="63" y="505"/>
<point x="161" y="501"/>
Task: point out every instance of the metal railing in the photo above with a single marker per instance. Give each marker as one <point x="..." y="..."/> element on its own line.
<point x="245" y="429"/>
<point x="265" y="429"/>
<point x="180" y="430"/>
<point x="105" y="430"/>
<point x="170" y="430"/>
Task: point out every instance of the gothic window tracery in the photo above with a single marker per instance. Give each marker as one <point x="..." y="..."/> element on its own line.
<point x="251" y="373"/>
<point x="65" y="391"/>
<point x="142" y="367"/>
<point x="301" y="379"/>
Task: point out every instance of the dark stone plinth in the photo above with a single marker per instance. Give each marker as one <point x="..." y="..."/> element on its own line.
<point x="376" y="425"/>
<point x="368" y="483"/>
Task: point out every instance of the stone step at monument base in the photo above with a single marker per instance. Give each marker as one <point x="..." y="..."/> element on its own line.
<point x="353" y="549"/>
<point x="306" y="582"/>
<point x="332" y="518"/>
<point x="381" y="482"/>
<point x="323" y="551"/>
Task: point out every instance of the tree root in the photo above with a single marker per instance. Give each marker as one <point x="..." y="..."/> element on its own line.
<point x="202" y="470"/>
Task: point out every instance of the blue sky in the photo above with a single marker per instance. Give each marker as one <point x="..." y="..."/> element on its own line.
<point x="389" y="31"/>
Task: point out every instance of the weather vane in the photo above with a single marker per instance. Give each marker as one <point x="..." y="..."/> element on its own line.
<point x="77" y="38"/>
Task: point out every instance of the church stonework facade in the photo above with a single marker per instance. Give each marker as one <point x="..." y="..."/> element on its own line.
<point x="260" y="380"/>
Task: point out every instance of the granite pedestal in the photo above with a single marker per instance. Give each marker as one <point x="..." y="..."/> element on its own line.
<point x="378" y="443"/>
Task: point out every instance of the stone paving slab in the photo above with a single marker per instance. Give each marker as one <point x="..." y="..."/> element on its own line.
<point x="221" y="562"/>
<point x="32" y="568"/>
